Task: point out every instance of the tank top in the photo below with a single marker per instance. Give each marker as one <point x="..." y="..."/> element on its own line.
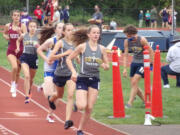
<point x="165" y="14"/>
<point x="52" y="67"/>
<point x="13" y="36"/>
<point x="29" y="44"/>
<point x="137" y="49"/>
<point x="90" y="62"/>
<point x="62" y="68"/>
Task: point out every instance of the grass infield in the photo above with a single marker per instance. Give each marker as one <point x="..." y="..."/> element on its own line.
<point x="104" y="108"/>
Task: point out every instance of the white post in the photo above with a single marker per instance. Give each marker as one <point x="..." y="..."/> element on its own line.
<point x="27" y="5"/>
<point x="173" y="25"/>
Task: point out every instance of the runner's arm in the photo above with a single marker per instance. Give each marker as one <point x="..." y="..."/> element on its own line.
<point x="5" y="33"/>
<point x="44" y="47"/>
<point x="105" y="64"/>
<point x="73" y="55"/>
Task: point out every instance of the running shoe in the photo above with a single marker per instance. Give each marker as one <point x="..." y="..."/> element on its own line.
<point x="14" y="93"/>
<point x="51" y="104"/>
<point x="80" y="132"/>
<point x="50" y="118"/>
<point x="27" y="100"/>
<point x="13" y="87"/>
<point x="39" y="88"/>
<point x="166" y="86"/>
<point x="68" y="124"/>
<point x="128" y="106"/>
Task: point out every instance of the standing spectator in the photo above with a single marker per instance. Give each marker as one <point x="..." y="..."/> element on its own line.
<point x="153" y="17"/>
<point x="61" y="14"/>
<point x="170" y="17"/>
<point x="25" y="18"/>
<point x="141" y="17"/>
<point x="56" y="16"/>
<point x="38" y="13"/>
<point x="173" y="68"/>
<point x="97" y="17"/>
<point x="148" y="18"/>
<point x="164" y="14"/>
<point x="175" y="13"/>
<point x="113" y="25"/>
<point x="66" y="14"/>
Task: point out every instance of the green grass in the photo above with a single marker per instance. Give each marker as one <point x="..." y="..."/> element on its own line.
<point x="104" y="108"/>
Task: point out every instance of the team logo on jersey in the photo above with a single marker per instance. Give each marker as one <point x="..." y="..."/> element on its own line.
<point x="93" y="61"/>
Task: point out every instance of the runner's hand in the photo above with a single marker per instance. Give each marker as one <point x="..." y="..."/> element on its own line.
<point x="125" y="73"/>
<point x="17" y="50"/>
<point x="49" y="62"/>
<point x="74" y="76"/>
<point x="105" y="66"/>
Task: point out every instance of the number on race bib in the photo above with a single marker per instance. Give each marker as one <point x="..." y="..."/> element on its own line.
<point x="141" y="70"/>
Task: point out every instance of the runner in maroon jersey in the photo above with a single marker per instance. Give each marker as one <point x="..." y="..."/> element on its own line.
<point x="11" y="33"/>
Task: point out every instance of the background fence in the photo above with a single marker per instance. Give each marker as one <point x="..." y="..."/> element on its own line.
<point x="79" y="16"/>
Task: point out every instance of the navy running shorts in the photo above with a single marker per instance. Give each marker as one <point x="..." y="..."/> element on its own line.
<point x="84" y="83"/>
<point x="31" y="60"/>
<point x="137" y="68"/>
<point x="60" y="81"/>
<point x="153" y="20"/>
<point x="165" y="19"/>
<point x="46" y="74"/>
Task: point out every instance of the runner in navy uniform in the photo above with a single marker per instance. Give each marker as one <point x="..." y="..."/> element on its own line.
<point x="92" y="56"/>
<point x="135" y="44"/>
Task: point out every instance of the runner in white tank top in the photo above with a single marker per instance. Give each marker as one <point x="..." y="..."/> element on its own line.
<point x="47" y="44"/>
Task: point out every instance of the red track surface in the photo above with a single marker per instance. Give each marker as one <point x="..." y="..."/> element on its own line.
<point x="16" y="118"/>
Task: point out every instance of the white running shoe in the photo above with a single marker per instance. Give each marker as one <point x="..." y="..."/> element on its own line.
<point x="50" y="118"/>
<point x="12" y="88"/>
<point x="39" y="88"/>
<point x="166" y="86"/>
<point x="14" y="93"/>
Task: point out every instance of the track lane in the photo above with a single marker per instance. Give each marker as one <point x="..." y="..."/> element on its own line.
<point x="36" y="123"/>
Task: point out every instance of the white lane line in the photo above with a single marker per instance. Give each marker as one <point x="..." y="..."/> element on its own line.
<point x="21" y="119"/>
<point x="2" y="128"/>
<point x="45" y="109"/>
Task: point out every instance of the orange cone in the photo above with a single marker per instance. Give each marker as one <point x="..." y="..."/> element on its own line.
<point x="156" y="107"/>
<point x="118" y="103"/>
<point x="147" y="80"/>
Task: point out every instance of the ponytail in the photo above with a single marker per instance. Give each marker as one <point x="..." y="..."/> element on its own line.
<point x="46" y="33"/>
<point x="80" y="36"/>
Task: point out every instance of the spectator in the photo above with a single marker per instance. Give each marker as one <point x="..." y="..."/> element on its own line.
<point x="25" y="18"/>
<point x="164" y="14"/>
<point x="61" y="13"/>
<point x="97" y="17"/>
<point x="141" y="17"/>
<point x="148" y="18"/>
<point x="66" y="14"/>
<point x="38" y="13"/>
<point x="56" y="16"/>
<point x="153" y="17"/>
<point x="170" y="18"/>
<point x="113" y="25"/>
<point x="173" y="68"/>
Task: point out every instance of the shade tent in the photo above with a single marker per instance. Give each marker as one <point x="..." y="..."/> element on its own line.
<point x="154" y="37"/>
